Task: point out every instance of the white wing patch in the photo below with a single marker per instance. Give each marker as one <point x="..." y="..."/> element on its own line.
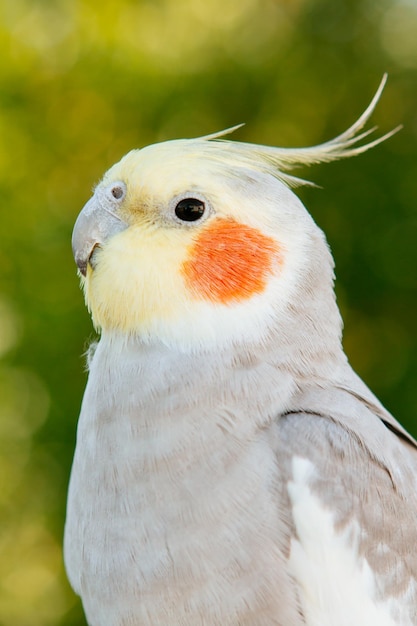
<point x="337" y="586"/>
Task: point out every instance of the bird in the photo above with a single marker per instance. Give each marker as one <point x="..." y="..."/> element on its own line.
<point x="230" y="466"/>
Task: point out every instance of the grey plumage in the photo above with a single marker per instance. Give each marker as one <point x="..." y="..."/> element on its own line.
<point x="230" y="467"/>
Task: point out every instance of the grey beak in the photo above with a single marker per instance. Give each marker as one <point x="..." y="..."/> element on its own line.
<point x="97" y="222"/>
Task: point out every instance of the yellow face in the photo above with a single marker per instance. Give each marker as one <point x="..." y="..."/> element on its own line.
<point x="200" y="242"/>
<point x="193" y="255"/>
<point x="155" y="269"/>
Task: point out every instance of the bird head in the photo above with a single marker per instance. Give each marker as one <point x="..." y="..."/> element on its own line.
<point x="202" y="242"/>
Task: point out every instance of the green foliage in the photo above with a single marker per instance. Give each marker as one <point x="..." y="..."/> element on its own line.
<point x="81" y="83"/>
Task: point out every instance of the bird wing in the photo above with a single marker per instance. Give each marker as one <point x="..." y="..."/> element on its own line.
<point x="352" y="491"/>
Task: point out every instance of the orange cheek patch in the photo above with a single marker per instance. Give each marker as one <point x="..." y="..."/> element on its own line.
<point x="230" y="262"/>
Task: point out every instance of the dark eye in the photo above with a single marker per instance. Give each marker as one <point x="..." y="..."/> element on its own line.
<point x="190" y="209"/>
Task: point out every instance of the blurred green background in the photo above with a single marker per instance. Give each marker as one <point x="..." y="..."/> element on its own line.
<point x="81" y="83"/>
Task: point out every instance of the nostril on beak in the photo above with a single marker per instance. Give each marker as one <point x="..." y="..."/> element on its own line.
<point x="96" y="223"/>
<point x="117" y="192"/>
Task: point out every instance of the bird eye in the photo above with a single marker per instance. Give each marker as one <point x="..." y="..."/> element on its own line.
<point x="190" y="209"/>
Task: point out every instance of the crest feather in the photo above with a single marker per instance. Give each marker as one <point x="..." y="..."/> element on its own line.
<point x="279" y="161"/>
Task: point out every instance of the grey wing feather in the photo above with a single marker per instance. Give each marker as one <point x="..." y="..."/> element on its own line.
<point x="365" y="472"/>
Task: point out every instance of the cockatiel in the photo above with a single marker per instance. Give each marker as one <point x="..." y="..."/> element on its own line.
<point x="230" y="467"/>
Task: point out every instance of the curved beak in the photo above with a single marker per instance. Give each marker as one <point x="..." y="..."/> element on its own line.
<point x="95" y="224"/>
